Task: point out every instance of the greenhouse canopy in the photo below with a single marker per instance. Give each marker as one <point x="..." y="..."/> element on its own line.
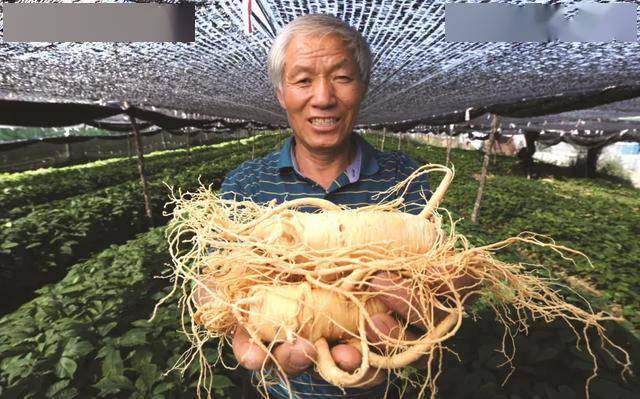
<point x="418" y="76"/>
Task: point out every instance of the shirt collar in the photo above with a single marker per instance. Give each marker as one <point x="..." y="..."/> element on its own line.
<point x="363" y="163"/>
<point x="285" y="160"/>
<point x="369" y="164"/>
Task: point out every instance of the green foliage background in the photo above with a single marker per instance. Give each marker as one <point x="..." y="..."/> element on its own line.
<point x="88" y="335"/>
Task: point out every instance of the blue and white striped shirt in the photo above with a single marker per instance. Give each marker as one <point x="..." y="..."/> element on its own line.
<point x="276" y="176"/>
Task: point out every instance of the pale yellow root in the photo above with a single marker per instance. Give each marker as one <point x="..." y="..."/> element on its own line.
<point x="283" y="312"/>
<point x="281" y="274"/>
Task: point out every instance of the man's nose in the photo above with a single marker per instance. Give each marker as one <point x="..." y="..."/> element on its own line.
<point x="324" y="95"/>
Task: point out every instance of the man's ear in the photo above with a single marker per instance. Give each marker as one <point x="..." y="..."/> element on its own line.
<point x="280" y="98"/>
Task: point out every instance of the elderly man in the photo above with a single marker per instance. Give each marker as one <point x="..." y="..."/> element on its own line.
<point x="320" y="69"/>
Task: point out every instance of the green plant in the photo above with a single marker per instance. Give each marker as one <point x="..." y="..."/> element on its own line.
<point x="614" y="168"/>
<point x="39" y="247"/>
<point x="88" y="335"/>
<point x="21" y="193"/>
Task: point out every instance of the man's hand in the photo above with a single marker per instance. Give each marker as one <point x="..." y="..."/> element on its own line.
<point x="296" y="357"/>
<point x="397" y="296"/>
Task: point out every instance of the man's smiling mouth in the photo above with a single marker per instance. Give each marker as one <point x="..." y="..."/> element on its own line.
<point x="323" y="121"/>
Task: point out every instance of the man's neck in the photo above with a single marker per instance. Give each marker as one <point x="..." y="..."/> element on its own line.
<point x="323" y="168"/>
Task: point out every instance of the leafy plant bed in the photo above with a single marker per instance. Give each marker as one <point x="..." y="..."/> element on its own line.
<point x="547" y="363"/>
<point x="598" y="217"/>
<point x="39" y="248"/>
<point x="21" y="192"/>
<point x="95" y="319"/>
<point x="180" y="163"/>
<point x="88" y="335"/>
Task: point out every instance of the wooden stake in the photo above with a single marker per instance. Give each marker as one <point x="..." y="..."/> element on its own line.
<point x="164" y="142"/>
<point x="495" y="153"/>
<point x="399" y="140"/>
<point x="495" y="123"/>
<point x="189" y="145"/>
<point x="143" y="179"/>
<point x="253" y="144"/>
<point x="129" y="152"/>
<point x="384" y="135"/>
<point x="527" y="153"/>
<point x="591" y="160"/>
<point x="451" y="131"/>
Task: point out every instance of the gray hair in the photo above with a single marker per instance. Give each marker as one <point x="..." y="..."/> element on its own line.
<point x="319" y="25"/>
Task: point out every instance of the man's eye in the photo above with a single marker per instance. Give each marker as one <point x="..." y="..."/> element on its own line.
<point x="303" y="81"/>
<point x="344" y="78"/>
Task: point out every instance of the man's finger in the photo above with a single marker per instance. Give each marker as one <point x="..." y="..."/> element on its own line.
<point x="296" y="357"/>
<point x="248" y="354"/>
<point x="390" y="327"/>
<point x="386" y="324"/>
<point x="346" y="357"/>
<point x="349" y="359"/>
<point x="397" y="295"/>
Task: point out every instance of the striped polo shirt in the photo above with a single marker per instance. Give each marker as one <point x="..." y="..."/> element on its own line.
<point x="276" y="176"/>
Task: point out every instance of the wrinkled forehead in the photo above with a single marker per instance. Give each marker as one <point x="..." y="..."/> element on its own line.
<point x="329" y="47"/>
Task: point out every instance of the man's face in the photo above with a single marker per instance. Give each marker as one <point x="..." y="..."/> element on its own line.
<point x="321" y="91"/>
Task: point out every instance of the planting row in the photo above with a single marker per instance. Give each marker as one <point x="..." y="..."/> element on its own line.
<point x="595" y="216"/>
<point x="87" y="336"/>
<point x="20" y="192"/>
<point x="170" y="165"/>
<point x="39" y="247"/>
<point x="49" y="347"/>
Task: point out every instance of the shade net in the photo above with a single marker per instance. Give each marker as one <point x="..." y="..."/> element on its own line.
<point x="416" y="73"/>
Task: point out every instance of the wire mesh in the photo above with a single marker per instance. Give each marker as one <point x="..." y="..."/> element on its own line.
<point x="416" y="73"/>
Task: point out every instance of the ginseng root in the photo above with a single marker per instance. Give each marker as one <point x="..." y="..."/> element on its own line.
<point x="281" y="273"/>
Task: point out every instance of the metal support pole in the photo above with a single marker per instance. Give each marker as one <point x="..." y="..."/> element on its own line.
<point x="495" y="124"/>
<point x="399" y="140"/>
<point x="384" y="135"/>
<point x="143" y="179"/>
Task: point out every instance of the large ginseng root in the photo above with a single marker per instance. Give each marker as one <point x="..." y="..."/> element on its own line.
<point x="281" y="273"/>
